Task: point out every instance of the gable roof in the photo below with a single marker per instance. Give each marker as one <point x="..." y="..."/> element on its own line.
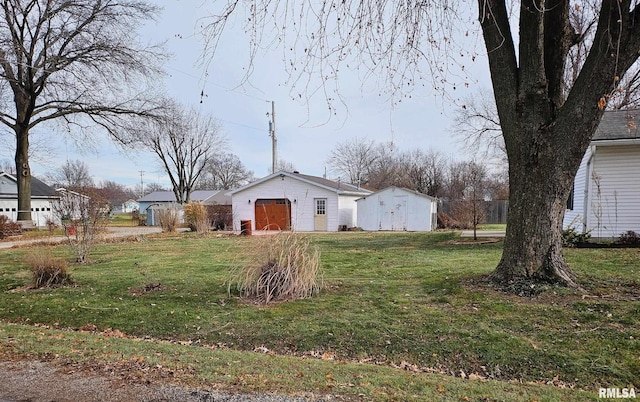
<point x="618" y="125"/>
<point x="402" y="189"/>
<point x="169" y="196"/>
<point x="338" y="187"/>
<point x="39" y="189"/>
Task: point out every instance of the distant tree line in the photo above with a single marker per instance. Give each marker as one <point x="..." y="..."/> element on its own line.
<point x="379" y="165"/>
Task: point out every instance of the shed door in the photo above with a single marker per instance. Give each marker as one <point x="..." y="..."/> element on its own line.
<point x="273" y="214"/>
<point x="320" y="215"/>
<point x="399" y="213"/>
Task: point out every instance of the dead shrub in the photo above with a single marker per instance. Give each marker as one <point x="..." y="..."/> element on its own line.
<point x="445" y="221"/>
<point x="9" y="228"/>
<point x="195" y="214"/>
<point x="220" y="216"/>
<point x="279" y="267"/>
<point x="169" y="219"/>
<point x="47" y="270"/>
<point x="84" y="216"/>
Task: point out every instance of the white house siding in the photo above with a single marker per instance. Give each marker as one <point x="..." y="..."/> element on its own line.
<point x="396" y="209"/>
<point x="576" y="217"/>
<point x="40" y="211"/>
<point x="348" y="211"/>
<point x="614" y="191"/>
<point x="300" y="194"/>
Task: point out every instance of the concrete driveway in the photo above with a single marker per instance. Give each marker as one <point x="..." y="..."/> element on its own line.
<point x="483" y="233"/>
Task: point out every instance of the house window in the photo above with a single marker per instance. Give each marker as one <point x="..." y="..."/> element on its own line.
<point x="570" y="199"/>
<point x="321" y="206"/>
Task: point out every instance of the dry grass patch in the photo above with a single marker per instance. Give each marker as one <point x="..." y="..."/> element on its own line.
<point x="278" y="267"/>
<point x="47" y="270"/>
<point x="169" y="219"/>
<point x="195" y="215"/>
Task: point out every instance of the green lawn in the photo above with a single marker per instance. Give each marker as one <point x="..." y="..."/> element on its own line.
<point x="121" y="219"/>
<point x="396" y="308"/>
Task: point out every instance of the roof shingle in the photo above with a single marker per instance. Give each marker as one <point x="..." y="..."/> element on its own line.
<point x="618" y="125"/>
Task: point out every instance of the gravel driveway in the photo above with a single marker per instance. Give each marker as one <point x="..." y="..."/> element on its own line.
<point x="40" y="381"/>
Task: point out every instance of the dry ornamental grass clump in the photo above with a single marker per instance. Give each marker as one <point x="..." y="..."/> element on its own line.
<point x="279" y="267"/>
<point x="195" y="214"/>
<point x="169" y="219"/>
<point x="47" y="270"/>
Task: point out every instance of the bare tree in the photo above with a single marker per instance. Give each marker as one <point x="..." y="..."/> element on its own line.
<point x="139" y="191"/>
<point x="72" y="175"/>
<point x="353" y="159"/>
<point x="423" y="171"/>
<point x="498" y="184"/>
<point x="285" y="166"/>
<point x="83" y="216"/>
<point x="385" y="167"/>
<point x="476" y="175"/>
<point x="477" y="124"/>
<point x="224" y="172"/>
<point x="184" y="142"/>
<point x="114" y="193"/>
<point x="7" y="166"/>
<point x="77" y="62"/>
<point x="152" y="187"/>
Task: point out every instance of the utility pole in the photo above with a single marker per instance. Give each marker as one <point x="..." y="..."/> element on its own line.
<point x="274" y="139"/>
<point x="141" y="183"/>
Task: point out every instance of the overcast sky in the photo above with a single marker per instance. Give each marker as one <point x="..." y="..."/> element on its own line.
<point x="305" y="138"/>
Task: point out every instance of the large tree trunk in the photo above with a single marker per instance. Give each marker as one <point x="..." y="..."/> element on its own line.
<point x="23" y="176"/>
<point x="533" y="246"/>
<point x="547" y="130"/>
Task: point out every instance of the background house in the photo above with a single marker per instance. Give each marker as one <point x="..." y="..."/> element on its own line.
<point x="606" y="192"/>
<point x="399" y="209"/>
<point x="217" y="202"/>
<point x="130" y="206"/>
<point x="294" y="201"/>
<point x="72" y="205"/>
<point x="42" y="196"/>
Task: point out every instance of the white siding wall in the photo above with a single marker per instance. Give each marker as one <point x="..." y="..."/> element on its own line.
<point x="40" y="211"/>
<point x="419" y="213"/>
<point x="614" y="191"/>
<point x="374" y="211"/>
<point x="302" y="210"/>
<point x="348" y="211"/>
<point x="576" y="217"/>
<point x="368" y="213"/>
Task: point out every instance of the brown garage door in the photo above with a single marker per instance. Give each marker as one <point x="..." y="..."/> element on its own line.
<point x="273" y="214"/>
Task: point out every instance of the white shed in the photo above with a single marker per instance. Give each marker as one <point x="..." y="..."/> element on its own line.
<point x="606" y="191"/>
<point x="294" y="201"/>
<point x="399" y="209"/>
